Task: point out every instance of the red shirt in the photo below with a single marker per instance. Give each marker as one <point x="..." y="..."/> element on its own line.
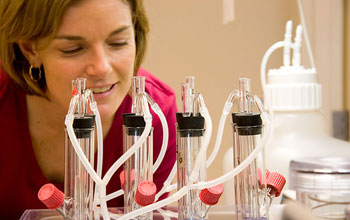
<point x="21" y="176"/>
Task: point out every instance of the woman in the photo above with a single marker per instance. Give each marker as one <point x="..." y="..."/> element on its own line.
<point x="46" y="44"/>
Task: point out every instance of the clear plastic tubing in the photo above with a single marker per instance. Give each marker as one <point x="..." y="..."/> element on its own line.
<point x="248" y="129"/>
<point x="155" y="107"/>
<point x="139" y="166"/>
<point x="93" y="106"/>
<point x="226" y="110"/>
<point x="202" y="109"/>
<point x="189" y="142"/>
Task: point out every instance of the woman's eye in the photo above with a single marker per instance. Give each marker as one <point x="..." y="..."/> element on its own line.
<point x="71" y="51"/>
<point x="118" y="44"/>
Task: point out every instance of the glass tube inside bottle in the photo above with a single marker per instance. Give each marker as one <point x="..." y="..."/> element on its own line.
<point x="189" y="142"/>
<point x="248" y="186"/>
<point x="78" y="185"/>
<point x="138" y="167"/>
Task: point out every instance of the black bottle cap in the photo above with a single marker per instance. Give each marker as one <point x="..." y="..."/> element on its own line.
<point x="87" y="121"/>
<point x="234" y="117"/>
<point x="248" y="123"/>
<point x="135" y="124"/>
<point x="83" y="126"/>
<point x="190" y="126"/>
<point x="133" y="120"/>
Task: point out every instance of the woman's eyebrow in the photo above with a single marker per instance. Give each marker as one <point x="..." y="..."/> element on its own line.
<point x="69" y="37"/>
<point x="77" y="38"/>
<point x="119" y="30"/>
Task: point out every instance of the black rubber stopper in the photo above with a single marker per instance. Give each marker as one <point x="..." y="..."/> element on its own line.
<point x="135" y="124"/>
<point x="132" y="120"/>
<point x="248" y="123"/>
<point x="191" y="126"/>
<point x="234" y="117"/>
<point x="83" y="126"/>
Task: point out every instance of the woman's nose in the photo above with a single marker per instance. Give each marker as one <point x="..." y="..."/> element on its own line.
<point x="99" y="63"/>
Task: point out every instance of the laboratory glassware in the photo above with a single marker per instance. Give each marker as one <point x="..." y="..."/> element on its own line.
<point x="189" y="143"/>
<point x="201" y="185"/>
<point x="138" y="167"/>
<point x="248" y="127"/>
<point x="190" y="132"/>
<point x="322" y="184"/>
<point x="78" y="185"/>
<point x="294" y="97"/>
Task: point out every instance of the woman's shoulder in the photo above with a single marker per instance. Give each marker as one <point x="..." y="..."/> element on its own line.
<point x="4" y="82"/>
<point x="11" y="96"/>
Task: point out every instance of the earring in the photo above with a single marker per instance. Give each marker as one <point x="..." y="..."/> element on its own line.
<point x="34" y="73"/>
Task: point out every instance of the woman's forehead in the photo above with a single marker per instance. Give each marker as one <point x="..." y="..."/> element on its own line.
<point x="91" y="15"/>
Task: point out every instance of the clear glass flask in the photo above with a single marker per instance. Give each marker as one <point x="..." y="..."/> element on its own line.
<point x="139" y="167"/>
<point x="189" y="141"/>
<point x="322" y="185"/>
<point x="248" y="188"/>
<point x="78" y="185"/>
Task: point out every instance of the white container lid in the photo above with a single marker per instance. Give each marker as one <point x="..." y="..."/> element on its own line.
<point x="294" y="88"/>
<point x="320" y="175"/>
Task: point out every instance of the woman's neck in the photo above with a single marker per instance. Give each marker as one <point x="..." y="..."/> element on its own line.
<point x="46" y="128"/>
<point x="45" y="114"/>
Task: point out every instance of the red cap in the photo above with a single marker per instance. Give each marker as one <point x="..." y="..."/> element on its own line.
<point x="51" y="196"/>
<point x="145" y="193"/>
<point x="211" y="196"/>
<point x="276" y="182"/>
<point x="261" y="182"/>
<point x="74" y="91"/>
<point x="122" y="178"/>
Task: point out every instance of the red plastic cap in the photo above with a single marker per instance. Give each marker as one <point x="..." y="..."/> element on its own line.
<point x="211" y="196"/>
<point x="51" y="196"/>
<point x="74" y="91"/>
<point x="276" y="182"/>
<point x="145" y="193"/>
<point x="122" y="177"/>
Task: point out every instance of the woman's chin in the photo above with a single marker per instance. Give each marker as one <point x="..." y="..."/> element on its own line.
<point x="106" y="112"/>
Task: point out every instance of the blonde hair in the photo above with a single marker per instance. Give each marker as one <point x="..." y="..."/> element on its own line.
<point x="34" y="20"/>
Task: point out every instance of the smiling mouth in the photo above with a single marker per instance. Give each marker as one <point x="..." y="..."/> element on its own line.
<point x="101" y="90"/>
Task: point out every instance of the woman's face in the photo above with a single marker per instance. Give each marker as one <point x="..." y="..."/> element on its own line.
<point x="95" y="41"/>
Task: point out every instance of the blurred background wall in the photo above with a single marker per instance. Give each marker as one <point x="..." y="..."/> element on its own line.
<point x="188" y="37"/>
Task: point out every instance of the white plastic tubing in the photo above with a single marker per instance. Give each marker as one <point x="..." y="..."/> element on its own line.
<point x="226" y="110"/>
<point x="100" y="191"/>
<point x="201" y="185"/>
<point x="205" y="113"/>
<point x="194" y="174"/>
<point x="101" y="183"/>
<point x="155" y="107"/>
